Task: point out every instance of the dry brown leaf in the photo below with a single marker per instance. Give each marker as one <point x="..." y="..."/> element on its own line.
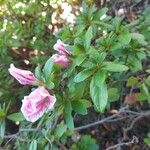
<point x="131" y="98"/>
<point x="131" y="15"/>
<point x="114" y="111"/>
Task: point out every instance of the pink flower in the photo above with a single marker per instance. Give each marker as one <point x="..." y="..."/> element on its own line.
<point x="37" y="103"/>
<point x="62" y="60"/>
<point x="23" y="76"/>
<point x="60" y="47"/>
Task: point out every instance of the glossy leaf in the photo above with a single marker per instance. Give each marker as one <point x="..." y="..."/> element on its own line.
<point x="33" y="145"/>
<point x="38" y="72"/>
<point x="132" y="81"/>
<point x="16" y="117"/>
<point x="113" y="94"/>
<point x="99" y="95"/>
<point x="125" y="37"/>
<point x="81" y="76"/>
<point x="2" y="128"/>
<point x="60" y="130"/>
<point x="48" y="67"/>
<point x="79" y="107"/>
<point x="99" y="77"/>
<point x="109" y="66"/>
<point x="68" y="115"/>
<point x="88" y="37"/>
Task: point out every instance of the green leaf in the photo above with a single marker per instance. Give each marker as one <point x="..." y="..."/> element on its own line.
<point x="100" y="13"/>
<point x="147" y="81"/>
<point x="125" y="37"/>
<point x="33" y="145"/>
<point x="145" y="90"/>
<point x="139" y="37"/>
<point x="79" y="59"/>
<point x="86" y="103"/>
<point x="50" y="85"/>
<point x="68" y="115"/>
<point x="96" y="56"/>
<point x="134" y="63"/>
<point x="99" y="77"/>
<point x="38" y="72"/>
<point x="85" y="143"/>
<point x="76" y="90"/>
<point x="16" y="117"/>
<point x="2" y="128"/>
<point x="81" y="76"/>
<point x="109" y="66"/>
<point x="79" y="107"/>
<point x="147" y="141"/>
<point x="48" y="68"/>
<point x="60" y="130"/>
<point x="113" y="94"/>
<point x="79" y="30"/>
<point x="99" y="95"/>
<point x="88" y="37"/>
<point x="132" y="81"/>
<point x="142" y="97"/>
<point x="117" y="23"/>
<point x="148" y="70"/>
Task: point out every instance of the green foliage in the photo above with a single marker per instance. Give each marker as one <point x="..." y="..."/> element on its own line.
<point x="99" y="95"/>
<point x="60" y="130"/>
<point x="33" y="145"/>
<point x="16" y="117"/>
<point x="85" y="143"/>
<point x="105" y="56"/>
<point x="81" y="76"/>
<point x="68" y="115"/>
<point x="147" y="140"/>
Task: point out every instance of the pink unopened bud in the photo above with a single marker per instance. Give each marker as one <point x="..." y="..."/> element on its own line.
<point x="61" y="60"/>
<point x="37" y="103"/>
<point x="23" y="76"/>
<point x="60" y="47"/>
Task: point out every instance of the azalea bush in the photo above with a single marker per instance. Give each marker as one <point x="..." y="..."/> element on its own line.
<point x="91" y="63"/>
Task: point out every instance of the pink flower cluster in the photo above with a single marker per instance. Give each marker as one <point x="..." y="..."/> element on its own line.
<point x="39" y="101"/>
<point x="62" y="57"/>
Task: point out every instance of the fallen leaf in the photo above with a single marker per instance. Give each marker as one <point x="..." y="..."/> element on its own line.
<point x="131" y="98"/>
<point x="131" y="15"/>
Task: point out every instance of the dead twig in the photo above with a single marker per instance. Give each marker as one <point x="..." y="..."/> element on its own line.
<point x="119" y="145"/>
<point x="139" y="116"/>
<point x="61" y="145"/>
<point x="113" y="117"/>
<point x="96" y="123"/>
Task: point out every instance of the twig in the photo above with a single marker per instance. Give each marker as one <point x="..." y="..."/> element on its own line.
<point x="15" y="136"/>
<point x="109" y="119"/>
<point x="61" y="145"/>
<point x="133" y="141"/>
<point x="96" y="123"/>
<point x="50" y="142"/>
<point x="29" y="130"/>
<point x="140" y="116"/>
<point x="100" y="121"/>
<point x="118" y="119"/>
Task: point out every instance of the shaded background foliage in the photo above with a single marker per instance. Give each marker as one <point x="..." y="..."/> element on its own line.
<point x="29" y="31"/>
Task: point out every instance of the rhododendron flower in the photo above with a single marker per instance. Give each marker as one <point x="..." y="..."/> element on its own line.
<point x="37" y="103"/>
<point x="23" y="76"/>
<point x="60" y="47"/>
<point x="61" y="60"/>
